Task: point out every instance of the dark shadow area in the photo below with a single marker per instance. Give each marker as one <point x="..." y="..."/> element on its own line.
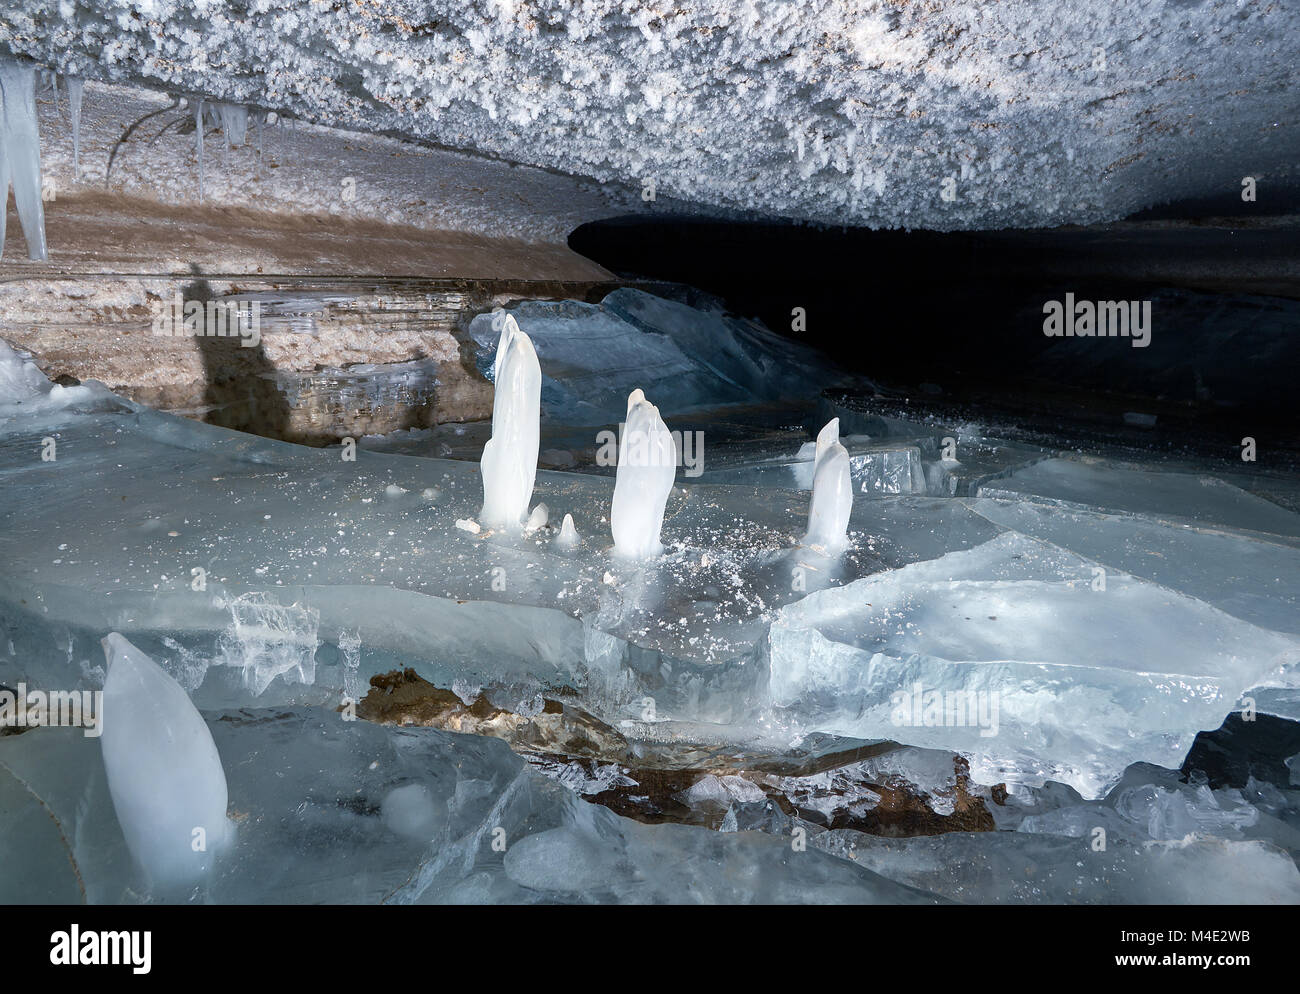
<point x="960" y="316"/>
<point x="241" y="389"/>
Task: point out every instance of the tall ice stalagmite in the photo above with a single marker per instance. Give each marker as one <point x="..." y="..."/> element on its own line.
<point x="832" y="497"/>
<point x="164" y="773"/>
<point x="647" y="465"/>
<point x="509" y="463"/>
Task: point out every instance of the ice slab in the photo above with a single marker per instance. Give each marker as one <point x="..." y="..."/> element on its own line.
<point x="1012" y="654"/>
<point x="1100" y="484"/>
<point x="1250" y="576"/>
<point x="593" y="355"/>
<point x="1015" y="868"/>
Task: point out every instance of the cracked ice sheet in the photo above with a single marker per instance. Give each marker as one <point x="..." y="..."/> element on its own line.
<point x="307" y="790"/>
<point x="1104" y="485"/>
<point x="371" y="549"/>
<point x="1014" y="868"/>
<point x="1073" y="683"/>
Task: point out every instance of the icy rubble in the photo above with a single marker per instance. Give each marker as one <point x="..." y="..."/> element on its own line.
<point x="278" y="579"/>
<point x="861" y="114"/>
<point x="401" y="816"/>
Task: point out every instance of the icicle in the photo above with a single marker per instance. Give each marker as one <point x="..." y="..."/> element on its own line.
<point x="647" y="466"/>
<point x="260" y="118"/>
<point x="74" y="108"/>
<point x="509" y="463"/>
<point x="198" y="130"/>
<point x="832" y="497"/>
<point x="20" y="155"/>
<point x="234" y="127"/>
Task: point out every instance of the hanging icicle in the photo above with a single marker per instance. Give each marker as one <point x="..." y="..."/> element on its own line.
<point x="198" y="131"/>
<point x="75" y="86"/>
<point x="20" y="155"/>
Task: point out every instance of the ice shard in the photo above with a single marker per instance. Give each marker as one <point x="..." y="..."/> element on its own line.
<point x="509" y="463"/>
<point x="75" y="87"/>
<point x="20" y="155"/>
<point x="164" y="773"/>
<point x="647" y="465"/>
<point x="832" y="497"/>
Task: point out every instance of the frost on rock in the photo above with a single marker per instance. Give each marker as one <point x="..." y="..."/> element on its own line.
<point x="509" y="463"/>
<point x="647" y="465"/>
<point x="943" y="115"/>
<point x="20" y="155"/>
<point x="164" y="773"/>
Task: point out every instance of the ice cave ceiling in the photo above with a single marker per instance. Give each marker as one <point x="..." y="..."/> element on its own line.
<point x="938" y="114"/>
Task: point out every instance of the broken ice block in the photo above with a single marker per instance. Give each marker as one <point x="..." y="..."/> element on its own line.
<point x="164" y="773"/>
<point x="1035" y="662"/>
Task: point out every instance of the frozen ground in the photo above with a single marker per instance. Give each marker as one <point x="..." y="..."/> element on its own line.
<point x="944" y="115"/>
<point x="740" y="719"/>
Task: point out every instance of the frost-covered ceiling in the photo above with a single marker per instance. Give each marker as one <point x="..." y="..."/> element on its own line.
<point x="922" y="113"/>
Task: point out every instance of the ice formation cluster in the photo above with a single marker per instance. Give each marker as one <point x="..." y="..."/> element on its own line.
<point x="944" y="115"/>
<point x="907" y="661"/>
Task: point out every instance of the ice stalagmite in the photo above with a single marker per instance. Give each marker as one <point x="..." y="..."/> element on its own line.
<point x="20" y="155"/>
<point x="647" y="465"/>
<point x="509" y="463"/>
<point x="75" y="87"/>
<point x="832" y="497"/>
<point x="568" y="537"/>
<point x="164" y="774"/>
